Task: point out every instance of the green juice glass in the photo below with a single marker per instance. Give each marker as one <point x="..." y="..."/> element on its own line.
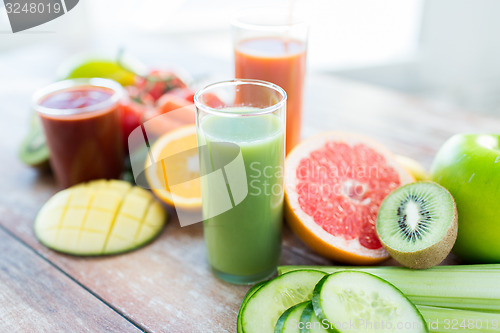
<point x="241" y="138"/>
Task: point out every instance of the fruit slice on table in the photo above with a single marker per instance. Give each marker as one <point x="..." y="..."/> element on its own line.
<point x="310" y="322"/>
<point x="183" y="144"/>
<point x="289" y="320"/>
<point x="334" y="185"/>
<point x="33" y="150"/>
<point x="263" y="309"/>
<point x="367" y="301"/>
<point x="99" y="217"/>
<point x="417" y="224"/>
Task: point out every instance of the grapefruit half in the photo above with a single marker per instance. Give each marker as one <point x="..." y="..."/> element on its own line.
<point x="334" y="185"/>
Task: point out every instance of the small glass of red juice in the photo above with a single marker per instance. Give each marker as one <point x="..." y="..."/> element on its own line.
<point x="81" y="122"/>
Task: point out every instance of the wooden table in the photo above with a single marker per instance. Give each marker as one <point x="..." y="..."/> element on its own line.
<point x="167" y="286"/>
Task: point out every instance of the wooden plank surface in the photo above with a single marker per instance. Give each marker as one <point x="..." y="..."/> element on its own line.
<point x="167" y="286"/>
<point x="36" y="297"/>
<point x="164" y="287"/>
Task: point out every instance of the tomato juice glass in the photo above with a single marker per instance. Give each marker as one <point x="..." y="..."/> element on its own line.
<point x="81" y="123"/>
<point x="271" y="45"/>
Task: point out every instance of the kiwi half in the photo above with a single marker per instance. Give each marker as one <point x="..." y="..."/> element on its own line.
<point x="417" y="224"/>
<point x="33" y="150"/>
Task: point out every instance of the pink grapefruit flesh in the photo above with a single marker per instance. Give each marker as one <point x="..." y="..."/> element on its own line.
<point x="335" y="183"/>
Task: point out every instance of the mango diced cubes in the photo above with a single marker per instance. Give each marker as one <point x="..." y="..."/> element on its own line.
<point x="67" y="239"/>
<point x="53" y="216"/>
<point x="125" y="227"/>
<point x="135" y="206"/>
<point x="108" y="200"/>
<point x="151" y="217"/>
<point x="74" y="218"/>
<point x="147" y="231"/>
<point x="116" y="244"/>
<point x="98" y="220"/>
<point x="60" y="199"/>
<point x="119" y="186"/>
<point x="80" y="197"/>
<point x="99" y="217"/>
<point x="140" y="192"/>
<point x="90" y="242"/>
<point x="49" y="236"/>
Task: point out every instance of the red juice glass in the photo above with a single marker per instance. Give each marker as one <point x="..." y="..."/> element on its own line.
<point x="82" y="126"/>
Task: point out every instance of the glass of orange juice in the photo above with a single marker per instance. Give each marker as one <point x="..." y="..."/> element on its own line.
<point x="270" y="44"/>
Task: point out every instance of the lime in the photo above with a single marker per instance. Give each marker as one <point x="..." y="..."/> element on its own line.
<point x="102" y="68"/>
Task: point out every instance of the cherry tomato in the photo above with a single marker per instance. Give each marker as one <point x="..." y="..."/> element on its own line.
<point x="170" y="102"/>
<point x="164" y="119"/>
<point x="159" y="82"/>
<point x="132" y="117"/>
<point x="186" y="93"/>
<point x="213" y="101"/>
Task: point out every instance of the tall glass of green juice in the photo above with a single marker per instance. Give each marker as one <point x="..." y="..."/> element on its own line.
<point x="241" y="139"/>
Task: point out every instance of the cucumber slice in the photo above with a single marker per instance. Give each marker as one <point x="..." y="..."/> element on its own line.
<point x="309" y="323"/>
<point x="266" y="305"/>
<point x="289" y="320"/>
<point x="245" y="300"/>
<point x="352" y="301"/>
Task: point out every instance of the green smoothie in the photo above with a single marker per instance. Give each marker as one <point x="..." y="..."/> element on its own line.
<point x="244" y="242"/>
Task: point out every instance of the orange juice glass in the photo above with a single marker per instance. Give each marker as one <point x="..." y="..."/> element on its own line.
<point x="270" y="44"/>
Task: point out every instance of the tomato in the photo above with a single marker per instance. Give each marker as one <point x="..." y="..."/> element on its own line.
<point x="132" y="115"/>
<point x="158" y="125"/>
<point x="159" y="82"/>
<point x="155" y="94"/>
<point x="213" y="101"/>
<point x="170" y="102"/>
<point x="188" y="94"/>
<point x="185" y="93"/>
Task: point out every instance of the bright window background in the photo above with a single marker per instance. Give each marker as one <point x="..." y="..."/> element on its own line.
<point x="343" y="33"/>
<point x="440" y="49"/>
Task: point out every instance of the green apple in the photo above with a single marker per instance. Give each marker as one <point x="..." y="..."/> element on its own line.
<point x="468" y="165"/>
<point x="108" y="69"/>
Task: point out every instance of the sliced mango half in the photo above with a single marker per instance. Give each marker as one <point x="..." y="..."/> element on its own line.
<point x="99" y="217"/>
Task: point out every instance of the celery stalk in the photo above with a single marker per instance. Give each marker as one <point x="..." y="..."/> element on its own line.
<point x="443" y="320"/>
<point x="474" y="287"/>
<point x="460" y="268"/>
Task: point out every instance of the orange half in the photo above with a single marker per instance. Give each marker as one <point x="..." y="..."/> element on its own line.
<point x="180" y="143"/>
